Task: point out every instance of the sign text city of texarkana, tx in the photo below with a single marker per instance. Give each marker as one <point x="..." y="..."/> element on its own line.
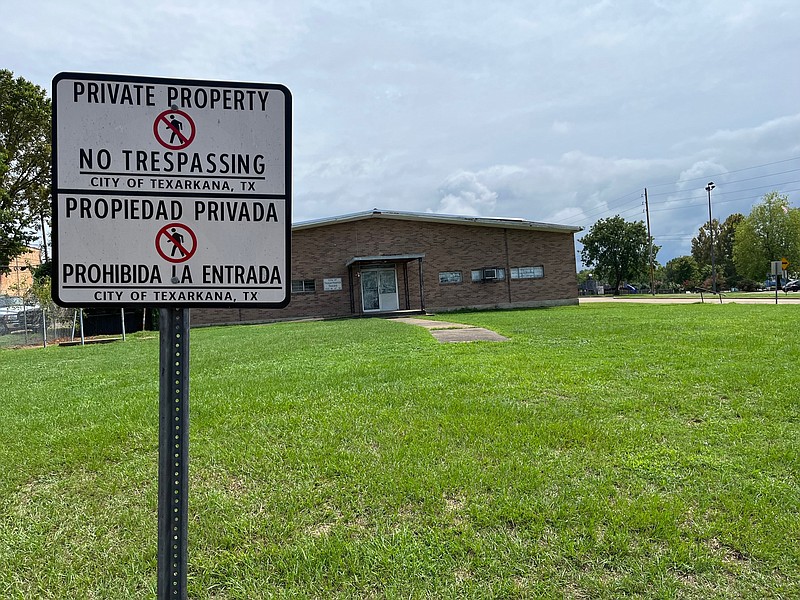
<point x="170" y="192"/>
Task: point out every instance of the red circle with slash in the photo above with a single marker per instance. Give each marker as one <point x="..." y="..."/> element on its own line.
<point x="172" y="234"/>
<point x="174" y="128"/>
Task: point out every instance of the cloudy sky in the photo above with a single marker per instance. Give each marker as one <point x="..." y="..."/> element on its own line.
<point x="560" y="112"/>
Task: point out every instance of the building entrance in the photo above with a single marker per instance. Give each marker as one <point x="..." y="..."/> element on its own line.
<point x="379" y="290"/>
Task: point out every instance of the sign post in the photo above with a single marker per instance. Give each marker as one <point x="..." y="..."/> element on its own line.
<point x="777" y="268"/>
<point x="173" y="453"/>
<point x="174" y="194"/>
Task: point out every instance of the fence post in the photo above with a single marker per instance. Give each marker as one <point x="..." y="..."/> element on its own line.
<point x="44" y="328"/>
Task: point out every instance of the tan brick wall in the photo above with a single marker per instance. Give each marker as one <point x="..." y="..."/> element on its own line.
<point x="322" y="252"/>
<point x="20" y="278"/>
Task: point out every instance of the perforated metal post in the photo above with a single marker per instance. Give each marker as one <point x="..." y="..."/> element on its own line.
<point x="173" y="454"/>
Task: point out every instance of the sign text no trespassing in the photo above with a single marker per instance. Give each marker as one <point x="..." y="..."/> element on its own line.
<point x="171" y="192"/>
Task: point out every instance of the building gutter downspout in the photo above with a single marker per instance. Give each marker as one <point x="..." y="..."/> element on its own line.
<point x="508" y="265"/>
<point x="352" y="293"/>
<point x="421" y="287"/>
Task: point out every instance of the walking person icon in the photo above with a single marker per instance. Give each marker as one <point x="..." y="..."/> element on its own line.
<point x="177" y="242"/>
<point x="176" y="127"/>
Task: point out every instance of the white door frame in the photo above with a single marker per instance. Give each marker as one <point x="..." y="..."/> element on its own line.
<point x="387" y="301"/>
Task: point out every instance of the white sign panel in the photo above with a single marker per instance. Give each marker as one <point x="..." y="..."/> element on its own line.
<point x="170" y="192"/>
<point x="333" y="284"/>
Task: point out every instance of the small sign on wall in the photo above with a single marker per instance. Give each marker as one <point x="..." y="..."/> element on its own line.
<point x="333" y="284"/>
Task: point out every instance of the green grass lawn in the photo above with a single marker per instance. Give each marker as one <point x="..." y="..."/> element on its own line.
<point x="604" y="451"/>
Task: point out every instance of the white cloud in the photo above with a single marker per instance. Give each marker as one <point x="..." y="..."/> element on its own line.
<point x="561" y="127"/>
<point x="546" y="111"/>
<point x="464" y="194"/>
<point x="700" y="169"/>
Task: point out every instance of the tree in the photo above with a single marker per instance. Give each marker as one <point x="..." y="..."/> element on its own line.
<point x="701" y="243"/>
<point x="617" y="250"/>
<point x="24" y="162"/>
<point x="682" y="272"/>
<point x="770" y="232"/>
<point x="659" y="276"/>
<point x="723" y="247"/>
<point x="727" y="236"/>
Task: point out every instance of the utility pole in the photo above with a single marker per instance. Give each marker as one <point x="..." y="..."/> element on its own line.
<point x="710" y="187"/>
<point x="650" y="242"/>
<point x="44" y="238"/>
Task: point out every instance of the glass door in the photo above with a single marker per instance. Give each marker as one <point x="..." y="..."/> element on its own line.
<point x="369" y="290"/>
<point x="387" y="289"/>
<point x="379" y="290"/>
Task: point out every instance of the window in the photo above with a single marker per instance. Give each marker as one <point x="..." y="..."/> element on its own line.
<point x="488" y="274"/>
<point x="303" y="286"/>
<point x="527" y="272"/>
<point x="446" y="277"/>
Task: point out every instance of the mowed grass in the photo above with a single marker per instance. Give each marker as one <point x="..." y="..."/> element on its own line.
<point x="605" y="451"/>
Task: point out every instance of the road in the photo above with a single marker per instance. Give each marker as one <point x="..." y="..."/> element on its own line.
<point x="783" y="298"/>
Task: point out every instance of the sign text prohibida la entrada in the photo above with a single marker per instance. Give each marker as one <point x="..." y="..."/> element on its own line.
<point x="170" y="192"/>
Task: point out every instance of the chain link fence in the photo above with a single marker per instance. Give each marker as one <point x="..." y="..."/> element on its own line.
<point x="25" y="324"/>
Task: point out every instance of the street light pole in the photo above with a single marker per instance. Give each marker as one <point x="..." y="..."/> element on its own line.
<point x="710" y="187"/>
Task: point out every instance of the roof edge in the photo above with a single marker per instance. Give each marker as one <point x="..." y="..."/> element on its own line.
<point x="503" y="222"/>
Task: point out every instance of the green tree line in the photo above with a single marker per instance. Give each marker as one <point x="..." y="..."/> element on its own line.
<point x="618" y="251"/>
<point x="25" y="145"/>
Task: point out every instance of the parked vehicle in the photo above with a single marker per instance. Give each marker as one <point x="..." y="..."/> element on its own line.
<point x="792" y="286"/>
<point x="11" y="311"/>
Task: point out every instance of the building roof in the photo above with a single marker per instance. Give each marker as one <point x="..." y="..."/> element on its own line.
<point x="384" y="258"/>
<point x="375" y="213"/>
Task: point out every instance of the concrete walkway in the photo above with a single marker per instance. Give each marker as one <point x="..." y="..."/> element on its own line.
<point x="454" y="332"/>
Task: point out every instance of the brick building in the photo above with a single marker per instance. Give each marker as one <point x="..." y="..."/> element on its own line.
<point x="388" y="261"/>
<point x="19" y="277"/>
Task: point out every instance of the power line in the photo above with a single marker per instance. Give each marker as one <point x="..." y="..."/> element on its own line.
<point x="704" y="177"/>
<point x="583" y="217"/>
<point x="680" y="238"/>
<point x="744" y="198"/>
<point x="698" y="200"/>
<point x="689" y="199"/>
<point x="727" y="183"/>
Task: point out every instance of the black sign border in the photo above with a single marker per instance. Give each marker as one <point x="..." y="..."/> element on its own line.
<point x="56" y="191"/>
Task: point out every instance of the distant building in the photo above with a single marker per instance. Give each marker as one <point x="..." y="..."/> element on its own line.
<point x="19" y="278"/>
<point x="379" y="262"/>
